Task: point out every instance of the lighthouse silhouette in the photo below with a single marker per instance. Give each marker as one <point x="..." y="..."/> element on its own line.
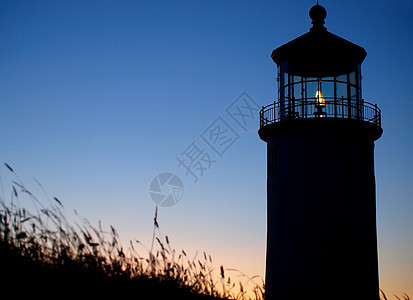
<point x="321" y="203"/>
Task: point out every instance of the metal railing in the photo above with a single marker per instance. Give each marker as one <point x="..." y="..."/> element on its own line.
<point x="313" y="108"/>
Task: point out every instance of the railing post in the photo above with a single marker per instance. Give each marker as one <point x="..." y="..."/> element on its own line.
<point x="262" y="116"/>
<point x="349" y="106"/>
<point x="363" y="113"/>
<point x="376" y="117"/>
<point x="274" y="119"/>
<point x="335" y="107"/>
<point x="302" y="108"/>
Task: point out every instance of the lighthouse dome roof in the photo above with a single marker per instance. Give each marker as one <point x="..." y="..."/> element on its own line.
<point x="319" y="51"/>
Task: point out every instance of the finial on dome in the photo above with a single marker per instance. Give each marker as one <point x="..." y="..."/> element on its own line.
<point x="318" y="14"/>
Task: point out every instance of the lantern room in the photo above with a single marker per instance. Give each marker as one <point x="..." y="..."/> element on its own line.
<point x="319" y="76"/>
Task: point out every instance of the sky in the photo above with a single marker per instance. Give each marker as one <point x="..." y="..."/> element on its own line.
<point x="98" y="98"/>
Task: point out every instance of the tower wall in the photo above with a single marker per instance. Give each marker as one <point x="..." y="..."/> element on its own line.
<point x="321" y="223"/>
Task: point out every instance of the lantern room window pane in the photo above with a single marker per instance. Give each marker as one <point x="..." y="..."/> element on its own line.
<point x="286" y="93"/>
<point x="341" y="90"/>
<point x="312" y="88"/>
<point x="285" y="79"/>
<point x="353" y="79"/>
<point x="297" y="91"/>
<point x="353" y="93"/>
<point x="327" y="89"/>
<point x="342" y="78"/>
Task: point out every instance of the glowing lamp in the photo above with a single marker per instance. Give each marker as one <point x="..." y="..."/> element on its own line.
<point x="320" y="102"/>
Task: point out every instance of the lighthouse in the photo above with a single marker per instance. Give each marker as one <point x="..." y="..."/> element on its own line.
<point x="321" y="203"/>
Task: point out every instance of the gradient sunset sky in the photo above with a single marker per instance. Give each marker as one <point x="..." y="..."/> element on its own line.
<point x="99" y="97"/>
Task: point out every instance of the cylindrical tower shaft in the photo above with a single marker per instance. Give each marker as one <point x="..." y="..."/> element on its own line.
<point x="321" y="223"/>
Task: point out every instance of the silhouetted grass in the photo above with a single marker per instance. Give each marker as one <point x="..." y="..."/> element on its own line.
<point x="43" y="253"/>
<point x="43" y="248"/>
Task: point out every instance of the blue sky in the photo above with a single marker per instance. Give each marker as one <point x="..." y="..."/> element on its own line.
<point x="99" y="97"/>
